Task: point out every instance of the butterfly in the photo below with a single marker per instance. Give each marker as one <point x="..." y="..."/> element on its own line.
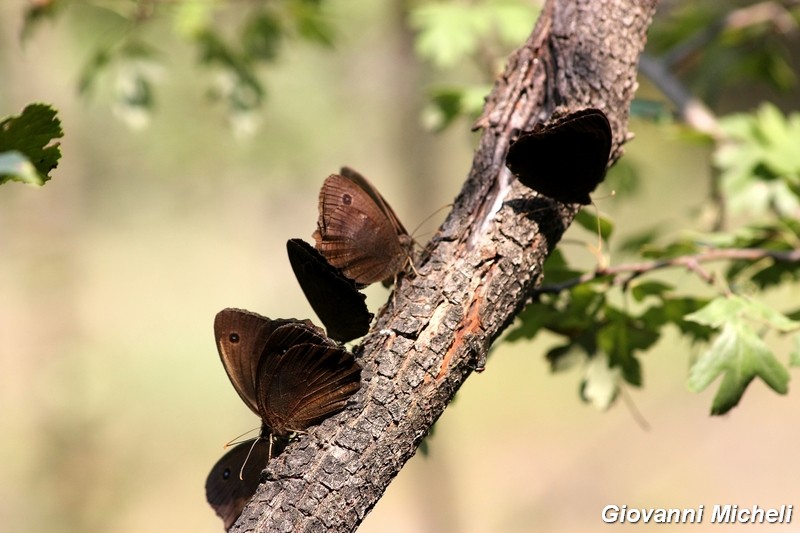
<point x="286" y="371"/>
<point x="334" y="298"/>
<point x="235" y="477"/>
<point x="564" y="159"/>
<point x="358" y="232"/>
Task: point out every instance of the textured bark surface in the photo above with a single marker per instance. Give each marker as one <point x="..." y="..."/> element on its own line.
<point x="472" y="280"/>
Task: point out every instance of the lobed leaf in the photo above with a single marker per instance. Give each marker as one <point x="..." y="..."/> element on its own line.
<point x="27" y="145"/>
<point x="740" y="356"/>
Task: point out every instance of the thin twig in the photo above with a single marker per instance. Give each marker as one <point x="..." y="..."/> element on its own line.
<point x="624" y="274"/>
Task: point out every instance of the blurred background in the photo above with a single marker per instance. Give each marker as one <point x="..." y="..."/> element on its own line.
<point x="113" y="402"/>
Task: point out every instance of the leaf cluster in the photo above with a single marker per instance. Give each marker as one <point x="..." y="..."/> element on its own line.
<point x="605" y="338"/>
<point x="727" y="44"/>
<point x="452" y="35"/>
<point x="756" y="161"/>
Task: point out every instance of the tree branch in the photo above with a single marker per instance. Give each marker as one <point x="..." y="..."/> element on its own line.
<point x="472" y="280"/>
<point x="624" y="274"/>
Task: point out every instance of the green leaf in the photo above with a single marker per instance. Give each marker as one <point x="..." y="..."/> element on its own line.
<point x="556" y="269"/>
<point x="732" y="308"/>
<point x="675" y="249"/>
<point x="572" y="314"/>
<point x="595" y="223"/>
<point x="311" y="22"/>
<point x="513" y="20"/>
<point x="781" y="137"/>
<point x="624" y="179"/>
<point x="578" y="310"/>
<point x="192" y="17"/>
<point x="448" y="103"/>
<point x="134" y="96"/>
<point x="675" y="311"/>
<point x="740" y="355"/>
<point x="644" y="238"/>
<point x="37" y="12"/>
<point x="532" y="320"/>
<point x="794" y="355"/>
<point x="759" y="162"/>
<point x="643" y="289"/>
<point x="15" y="166"/>
<point x="718" y="312"/>
<point x="262" y="36"/>
<point x="28" y="141"/>
<point x="621" y="335"/>
<point x="245" y="91"/>
<point x="600" y="385"/>
<point x="564" y="357"/>
<point x="759" y="312"/>
<point x="92" y="69"/>
<point x="448" y="32"/>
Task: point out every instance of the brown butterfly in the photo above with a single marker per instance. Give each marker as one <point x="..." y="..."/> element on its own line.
<point x="235" y="477"/>
<point x="286" y="371"/>
<point x="358" y="232"/>
<point x="334" y="298"/>
<point x="564" y="159"/>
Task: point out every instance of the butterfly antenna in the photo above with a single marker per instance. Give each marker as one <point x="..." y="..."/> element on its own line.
<point x="234" y="441"/>
<point x="597" y="251"/>
<point x="413" y="269"/>
<point x="241" y="470"/>
<point x="599" y="231"/>
<point x="427" y="218"/>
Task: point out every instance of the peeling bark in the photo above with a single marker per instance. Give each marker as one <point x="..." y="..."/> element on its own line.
<point x="471" y="281"/>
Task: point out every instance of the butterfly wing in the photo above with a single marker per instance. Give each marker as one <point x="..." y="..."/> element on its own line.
<point x="305" y="385"/>
<point x="377" y="197"/>
<point x="225" y="491"/>
<point x="293" y="332"/>
<point x="565" y="159"/>
<point x="334" y="298"/>
<point x="241" y="337"/>
<point x="356" y="234"/>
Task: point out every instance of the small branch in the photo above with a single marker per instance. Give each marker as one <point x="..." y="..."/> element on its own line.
<point x="624" y="274"/>
<point x="691" y="109"/>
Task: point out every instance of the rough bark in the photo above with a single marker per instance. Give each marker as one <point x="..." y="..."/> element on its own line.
<point x="472" y="280"/>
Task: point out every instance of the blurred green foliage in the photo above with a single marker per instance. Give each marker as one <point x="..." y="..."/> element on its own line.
<point x="233" y="41"/>
<point x="149" y="234"/>
<point x="757" y="177"/>
<point x="724" y="44"/>
<point x="708" y="44"/>
<point x="759" y="161"/>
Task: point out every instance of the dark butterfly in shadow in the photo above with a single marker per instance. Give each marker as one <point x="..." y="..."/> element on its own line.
<point x="286" y="371"/>
<point x="334" y="298"/>
<point x="358" y="232"/>
<point x="564" y="159"/>
<point x="235" y="477"/>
